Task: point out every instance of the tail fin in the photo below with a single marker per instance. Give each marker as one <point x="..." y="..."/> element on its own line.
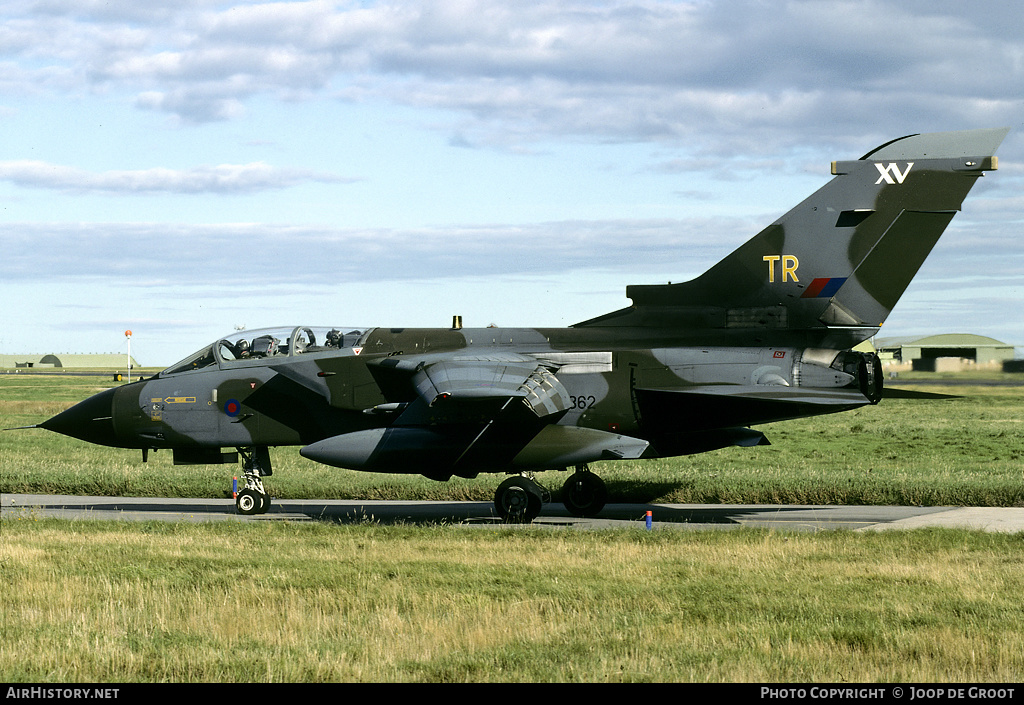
<point x="843" y="257"/>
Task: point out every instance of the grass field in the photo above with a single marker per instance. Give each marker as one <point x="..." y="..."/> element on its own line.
<point x="967" y="450"/>
<point x="107" y="601"/>
<point x="93" y="601"/>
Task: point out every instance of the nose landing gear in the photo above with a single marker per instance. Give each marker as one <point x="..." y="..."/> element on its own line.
<point x="253" y="499"/>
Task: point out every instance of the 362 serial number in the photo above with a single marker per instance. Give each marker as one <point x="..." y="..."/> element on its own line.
<point x="581" y="402"/>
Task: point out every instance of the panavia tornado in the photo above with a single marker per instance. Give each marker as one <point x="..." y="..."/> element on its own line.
<point x="764" y="335"/>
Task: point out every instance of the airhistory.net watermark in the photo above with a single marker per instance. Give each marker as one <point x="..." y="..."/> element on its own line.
<point x="53" y="693"/>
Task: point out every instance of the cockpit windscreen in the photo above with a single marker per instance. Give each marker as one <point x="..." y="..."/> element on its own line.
<point x="243" y="346"/>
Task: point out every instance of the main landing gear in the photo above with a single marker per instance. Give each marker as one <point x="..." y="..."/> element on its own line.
<point x="253" y="499"/>
<point x="584" y="494"/>
<point x="518" y="500"/>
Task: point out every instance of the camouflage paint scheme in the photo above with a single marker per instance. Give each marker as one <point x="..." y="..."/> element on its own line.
<point x="763" y="335"/>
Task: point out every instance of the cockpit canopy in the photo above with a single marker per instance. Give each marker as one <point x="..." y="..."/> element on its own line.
<point x="252" y="345"/>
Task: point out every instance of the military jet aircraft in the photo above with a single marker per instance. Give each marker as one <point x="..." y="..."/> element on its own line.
<point x="764" y="335"/>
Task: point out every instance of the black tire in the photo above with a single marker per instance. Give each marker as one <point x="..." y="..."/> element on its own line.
<point x="518" y="500"/>
<point x="249" y="502"/>
<point x="584" y="494"/>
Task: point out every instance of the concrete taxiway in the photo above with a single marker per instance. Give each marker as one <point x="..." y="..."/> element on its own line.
<point x="664" y="516"/>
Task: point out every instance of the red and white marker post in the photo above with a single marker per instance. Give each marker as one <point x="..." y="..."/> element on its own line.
<point x="128" y="334"/>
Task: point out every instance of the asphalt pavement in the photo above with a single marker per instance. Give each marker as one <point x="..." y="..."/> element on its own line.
<point x="663" y="516"/>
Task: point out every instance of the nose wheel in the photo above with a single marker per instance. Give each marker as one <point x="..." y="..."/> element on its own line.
<point x="253" y="499"/>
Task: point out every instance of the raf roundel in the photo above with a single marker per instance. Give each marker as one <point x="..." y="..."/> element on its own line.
<point x="232" y="407"/>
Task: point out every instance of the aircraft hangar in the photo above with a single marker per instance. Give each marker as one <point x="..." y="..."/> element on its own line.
<point x="103" y="361"/>
<point x="954" y="349"/>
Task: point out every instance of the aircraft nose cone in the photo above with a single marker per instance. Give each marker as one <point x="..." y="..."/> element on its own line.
<point x="91" y="420"/>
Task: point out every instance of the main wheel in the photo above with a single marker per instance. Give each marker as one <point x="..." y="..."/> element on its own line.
<point x="584" y="494"/>
<point x="518" y="500"/>
<point x="250" y="502"/>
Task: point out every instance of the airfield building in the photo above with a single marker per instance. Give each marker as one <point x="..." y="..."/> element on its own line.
<point x="953" y="350"/>
<point x="102" y="361"/>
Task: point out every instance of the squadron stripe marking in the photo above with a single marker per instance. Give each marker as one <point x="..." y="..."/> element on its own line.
<point x="824" y="288"/>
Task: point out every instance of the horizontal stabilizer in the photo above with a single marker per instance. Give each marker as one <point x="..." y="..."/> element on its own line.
<point x="765" y="392"/>
<point x="713" y="407"/>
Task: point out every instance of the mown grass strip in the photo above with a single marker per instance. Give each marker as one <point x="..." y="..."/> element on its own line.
<point x="108" y="601"/>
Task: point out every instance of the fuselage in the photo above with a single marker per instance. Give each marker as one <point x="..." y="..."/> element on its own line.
<point x="302" y="385"/>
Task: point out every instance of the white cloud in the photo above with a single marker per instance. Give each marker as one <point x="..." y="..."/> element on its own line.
<point x="223" y="178"/>
<point x="633" y="71"/>
<point x="641" y="251"/>
<point x="190" y="255"/>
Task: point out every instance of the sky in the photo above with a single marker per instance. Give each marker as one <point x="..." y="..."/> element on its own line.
<point x="182" y="168"/>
